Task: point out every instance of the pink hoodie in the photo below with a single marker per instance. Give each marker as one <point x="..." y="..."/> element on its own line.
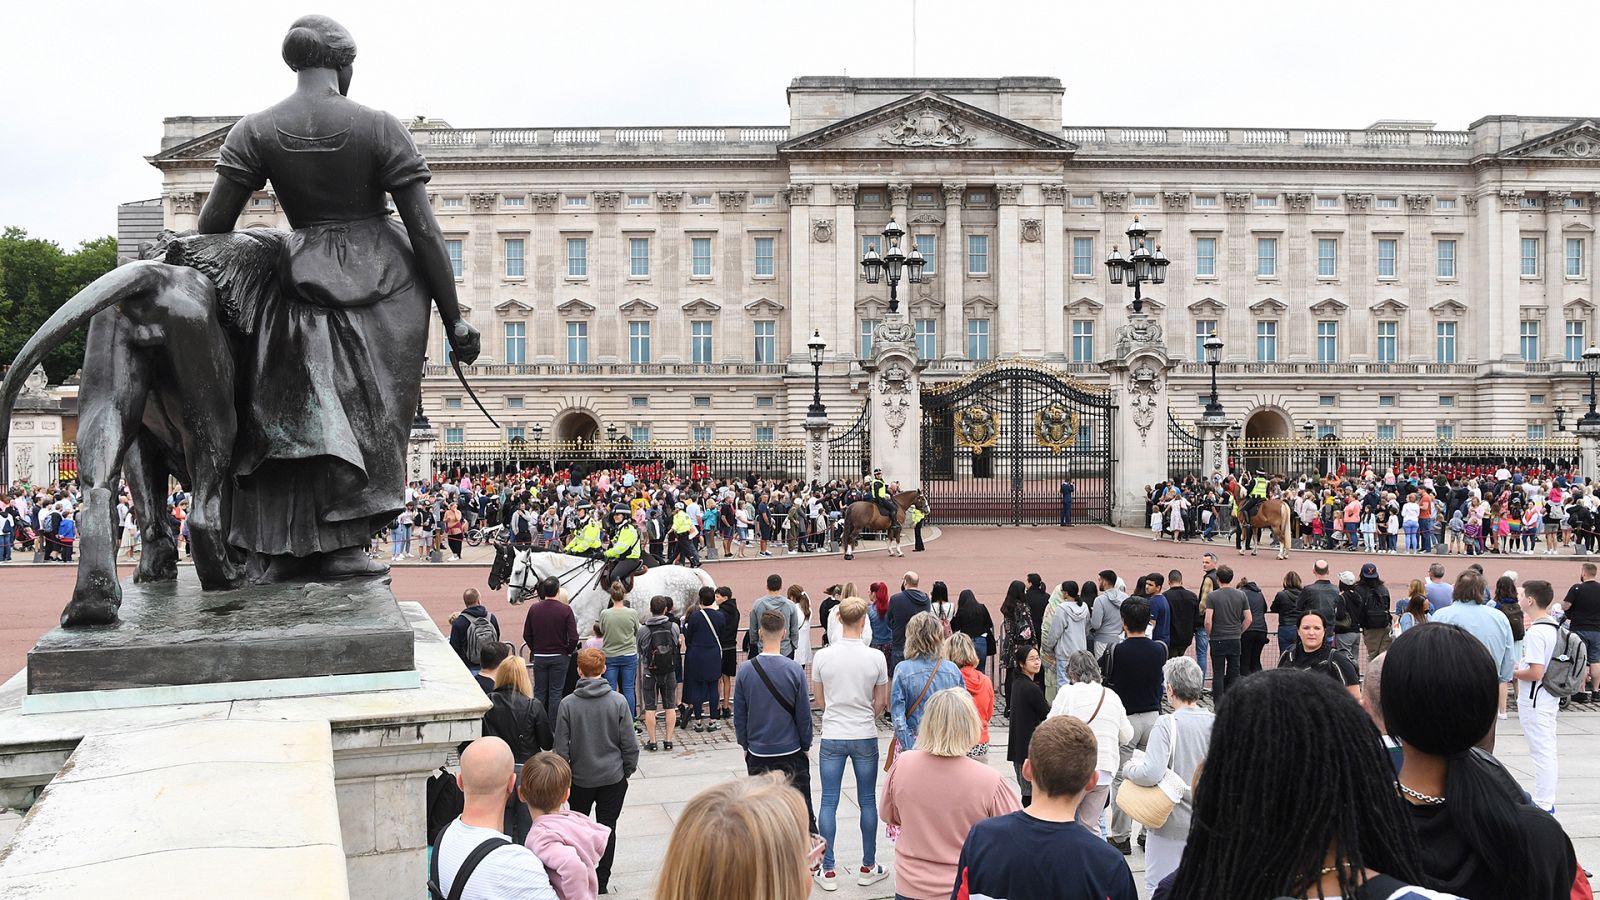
<point x="570" y="846"/>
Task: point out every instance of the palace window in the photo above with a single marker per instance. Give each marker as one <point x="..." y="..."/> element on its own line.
<point x="864" y="345"/>
<point x="766" y="332"/>
<point x="1203" y="328"/>
<point x="640" y="434"/>
<point x="700" y="345"/>
<point x="639" y="257"/>
<point x="1083" y="340"/>
<point x="1446" y="254"/>
<point x="577" y="343"/>
<point x="1536" y="432"/>
<point x="455" y="435"/>
<point x="1574" y="340"/>
<point x="928" y="247"/>
<point x="1327" y="257"/>
<point x="1266" y="257"/>
<point x="927" y="338"/>
<point x="1385" y="432"/>
<point x="514" y="258"/>
<point x="1444" y="433"/>
<point x="1530" y="257"/>
<point x="1267" y="341"/>
<point x="764" y="434"/>
<point x="700" y="255"/>
<point x="1205" y="257"/>
<point x="1327" y="341"/>
<point x="638" y="342"/>
<point x="978" y="339"/>
<point x="1444" y="342"/>
<point x="1083" y="256"/>
<point x="514" y="202"/>
<point x="1574" y="257"/>
<point x="516" y="344"/>
<point x="1528" y="341"/>
<point x="702" y="434"/>
<point x="637" y="200"/>
<point x="764" y="257"/>
<point x="453" y="203"/>
<point x="452" y="247"/>
<point x="977" y="254"/>
<point x="1388" y="341"/>
<point x="516" y="434"/>
<point x="577" y="257"/>
<point x="1387" y="250"/>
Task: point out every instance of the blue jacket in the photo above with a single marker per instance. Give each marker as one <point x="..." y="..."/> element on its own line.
<point x="909" y="677"/>
<point x="881" y="635"/>
<point x="1160" y="618"/>
<point x="760" y="723"/>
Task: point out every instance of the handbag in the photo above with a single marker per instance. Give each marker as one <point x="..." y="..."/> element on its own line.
<point x="894" y="742"/>
<point x="1151" y="806"/>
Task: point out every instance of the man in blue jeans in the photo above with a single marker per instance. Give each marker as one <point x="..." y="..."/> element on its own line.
<point x="851" y="681"/>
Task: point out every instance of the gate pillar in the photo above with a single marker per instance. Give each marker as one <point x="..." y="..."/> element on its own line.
<point x="817" y="463"/>
<point x="896" y="386"/>
<point x="1138" y="369"/>
<point x="1213" y="445"/>
<point x="1588" y="450"/>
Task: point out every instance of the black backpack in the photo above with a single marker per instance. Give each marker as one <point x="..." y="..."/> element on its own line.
<point x="445" y="802"/>
<point x="662" y="660"/>
<point x="1374" y="606"/>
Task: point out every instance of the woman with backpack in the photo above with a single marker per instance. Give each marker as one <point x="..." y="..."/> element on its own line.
<point x="1375" y="611"/>
<point x="1312" y="653"/>
<point x="658" y="640"/>
<point x="702" y="659"/>
<point x="519" y="720"/>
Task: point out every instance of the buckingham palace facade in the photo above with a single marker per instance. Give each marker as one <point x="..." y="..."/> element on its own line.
<point x="662" y="282"/>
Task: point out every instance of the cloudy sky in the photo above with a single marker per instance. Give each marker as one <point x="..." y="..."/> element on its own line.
<point x="87" y="82"/>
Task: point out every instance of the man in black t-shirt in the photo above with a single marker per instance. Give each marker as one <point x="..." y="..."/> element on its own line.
<point x="1133" y="669"/>
<point x="1582" y="605"/>
<point x="1042" y="851"/>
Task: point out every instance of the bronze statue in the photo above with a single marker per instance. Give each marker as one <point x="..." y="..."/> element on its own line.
<point x="274" y="373"/>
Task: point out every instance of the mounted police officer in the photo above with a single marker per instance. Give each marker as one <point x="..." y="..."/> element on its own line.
<point x="1255" y="492"/>
<point x="878" y="492"/>
<point x="625" y="547"/>
<point x="586" y="536"/>
<point x="684" y="537"/>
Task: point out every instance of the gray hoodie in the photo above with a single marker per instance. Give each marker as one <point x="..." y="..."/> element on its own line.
<point x="594" y="734"/>
<point x="1105" y="623"/>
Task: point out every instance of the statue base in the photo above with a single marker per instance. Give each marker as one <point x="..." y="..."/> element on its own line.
<point x="178" y="644"/>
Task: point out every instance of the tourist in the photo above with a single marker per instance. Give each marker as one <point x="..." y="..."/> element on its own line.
<point x="1377" y="609"/>
<point x="519" y="720"/>
<point x="1483" y="838"/>
<point x="568" y="844"/>
<point x="1312" y="651"/>
<point x="905" y="604"/>
<point x="924" y="672"/>
<point x="831" y="596"/>
<point x="1582" y="606"/>
<point x="728" y="633"/>
<point x="973" y="620"/>
<point x="1257" y="833"/>
<point x="1208" y="583"/>
<point x="1185" y="605"/>
<point x="1037" y="599"/>
<point x="658" y="640"/>
<point x="1471" y="610"/>
<point x="488" y="781"/>
<point x="774" y="601"/>
<point x="702" y="660"/>
<point x="935" y="794"/>
<point x="489" y="660"/>
<point x="1160" y="610"/>
<point x="959" y="650"/>
<point x="740" y="838"/>
<point x="455" y="529"/>
<point x="551" y="632"/>
<point x="1347" y="617"/>
<point x="878" y="618"/>
<point x="939" y="604"/>
<point x="851" y="682"/>
<point x="772" y="710"/>
<point x="1227" y="617"/>
<point x="619" y="622"/>
<point x="1025" y="708"/>
<point x="1536" y="707"/>
<point x="1105" y="622"/>
<point x="1320" y="595"/>
<point x="472" y="628"/>
<point x="1255" y="637"/>
<point x="1414" y="610"/>
<point x="1178" y="743"/>
<point x="1506" y="599"/>
<point x="1286" y="605"/>
<point x="1040" y="851"/>
<point x="1017" y="633"/>
<point x="1084" y="697"/>
<point x="594" y="734"/>
<point x="1133" y="670"/>
<point x="1066" y="634"/>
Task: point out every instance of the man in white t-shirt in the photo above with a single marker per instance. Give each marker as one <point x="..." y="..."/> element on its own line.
<point x="510" y="871"/>
<point x="1536" y="707"/>
<point x="851" y="681"/>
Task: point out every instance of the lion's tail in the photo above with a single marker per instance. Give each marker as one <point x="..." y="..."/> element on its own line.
<point x="104" y="292"/>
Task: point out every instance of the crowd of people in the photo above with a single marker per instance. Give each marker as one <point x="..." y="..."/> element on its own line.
<point x="1415" y="510"/>
<point x="1379" y="716"/>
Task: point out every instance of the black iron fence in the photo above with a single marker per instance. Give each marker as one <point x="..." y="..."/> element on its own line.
<point x="652" y="459"/>
<point x="1459" y="458"/>
<point x="1185" y="450"/>
<point x="850" y="451"/>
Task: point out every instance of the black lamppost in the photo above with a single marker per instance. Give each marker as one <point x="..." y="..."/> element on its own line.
<point x="1140" y="266"/>
<point x="1591" y="365"/>
<point x="891" y="261"/>
<point x="611" y="436"/>
<point x="1213" y="347"/>
<point x="420" y="421"/>
<point x="817" y="345"/>
<point x="1561" y="418"/>
<point x="538" y="443"/>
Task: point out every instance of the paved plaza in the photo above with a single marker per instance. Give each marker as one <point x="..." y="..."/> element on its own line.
<point x="983" y="559"/>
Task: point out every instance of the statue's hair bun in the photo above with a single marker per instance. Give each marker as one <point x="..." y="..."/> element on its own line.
<point x="318" y="42"/>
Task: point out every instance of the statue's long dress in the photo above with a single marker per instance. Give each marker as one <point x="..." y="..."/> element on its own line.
<point x="333" y="364"/>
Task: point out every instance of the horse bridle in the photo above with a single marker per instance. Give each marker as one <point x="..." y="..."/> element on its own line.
<point x="588" y="565"/>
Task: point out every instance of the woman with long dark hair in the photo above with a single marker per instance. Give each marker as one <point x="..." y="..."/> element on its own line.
<point x="973" y="620"/>
<point x="1018" y="632"/>
<point x="1328" y="800"/>
<point x="1485" y="840"/>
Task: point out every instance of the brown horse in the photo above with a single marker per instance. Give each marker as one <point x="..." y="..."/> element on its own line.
<point x="1271" y="515"/>
<point x="864" y="515"/>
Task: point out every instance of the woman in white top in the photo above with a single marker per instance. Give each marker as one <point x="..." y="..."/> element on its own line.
<point x="1410" y="515"/>
<point x="130" y="532"/>
<point x="1101" y="709"/>
<point x="1175" y="510"/>
<point x="802" y="600"/>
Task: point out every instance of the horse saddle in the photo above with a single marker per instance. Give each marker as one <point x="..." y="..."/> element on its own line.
<point x="605" y="574"/>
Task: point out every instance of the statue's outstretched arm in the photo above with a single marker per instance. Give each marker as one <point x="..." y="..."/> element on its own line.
<point x="433" y="260"/>
<point x="223" y="205"/>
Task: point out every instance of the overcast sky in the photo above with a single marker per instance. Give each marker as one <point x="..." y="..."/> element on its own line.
<point x="87" y="83"/>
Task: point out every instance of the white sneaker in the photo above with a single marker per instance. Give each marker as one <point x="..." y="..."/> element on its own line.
<point x="827" y="879"/>
<point x="877" y="873"/>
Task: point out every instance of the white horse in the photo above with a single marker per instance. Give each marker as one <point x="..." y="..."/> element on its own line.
<point x="580" y="576"/>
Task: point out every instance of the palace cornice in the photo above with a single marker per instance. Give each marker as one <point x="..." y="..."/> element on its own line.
<point x="458" y="165"/>
<point x="1263" y="165"/>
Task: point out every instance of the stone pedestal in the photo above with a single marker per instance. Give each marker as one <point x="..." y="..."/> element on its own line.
<point x="35" y="433"/>
<point x="1588" y="449"/>
<point x="896" y="414"/>
<point x="1213" y="445"/>
<point x="419" y="454"/>
<point x="384" y="745"/>
<point x="817" y="465"/>
<point x="1138" y="368"/>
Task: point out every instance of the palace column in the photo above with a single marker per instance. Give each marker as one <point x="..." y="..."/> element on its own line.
<point x="1055" y="271"/>
<point x="953" y="270"/>
<point x="1555" y="274"/>
<point x="847" y="265"/>
<point x="804" y="314"/>
<point x="1010" y="334"/>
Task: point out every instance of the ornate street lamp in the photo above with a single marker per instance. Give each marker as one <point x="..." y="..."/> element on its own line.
<point x="611" y="435"/>
<point x="892" y="262"/>
<point x="817" y="345"/>
<point x="1141" y="266"/>
<point x="1591" y="365"/>
<point x="1561" y="418"/>
<point x="1308" y="428"/>
<point x="1235" y="431"/>
<point x="420" y="421"/>
<point x="1213" y="347"/>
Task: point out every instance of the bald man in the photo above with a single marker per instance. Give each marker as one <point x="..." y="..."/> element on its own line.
<point x="902" y="606"/>
<point x="473" y="848"/>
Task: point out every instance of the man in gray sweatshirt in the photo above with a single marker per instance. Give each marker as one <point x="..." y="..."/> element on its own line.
<point x="594" y="734"/>
<point x="773" y="599"/>
<point x="1105" y="622"/>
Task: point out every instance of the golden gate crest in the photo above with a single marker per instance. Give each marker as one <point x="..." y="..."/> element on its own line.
<point x="1055" y="427"/>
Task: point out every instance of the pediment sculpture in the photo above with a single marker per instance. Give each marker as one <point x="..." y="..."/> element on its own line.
<point x="926" y="127"/>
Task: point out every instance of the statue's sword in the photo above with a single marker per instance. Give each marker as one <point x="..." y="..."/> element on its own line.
<point x="460" y="376"/>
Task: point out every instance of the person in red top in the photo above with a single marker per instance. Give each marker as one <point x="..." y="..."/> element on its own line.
<point x="1425" y="519"/>
<point x="959" y="649"/>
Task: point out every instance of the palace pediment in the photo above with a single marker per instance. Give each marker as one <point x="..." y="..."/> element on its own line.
<point x="929" y="122"/>
<point x="1579" y="141"/>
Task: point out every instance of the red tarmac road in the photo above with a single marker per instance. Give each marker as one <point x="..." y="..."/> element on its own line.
<point x="982" y="559"/>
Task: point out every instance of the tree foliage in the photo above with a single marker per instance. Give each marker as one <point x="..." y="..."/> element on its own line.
<point x="36" y="277"/>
